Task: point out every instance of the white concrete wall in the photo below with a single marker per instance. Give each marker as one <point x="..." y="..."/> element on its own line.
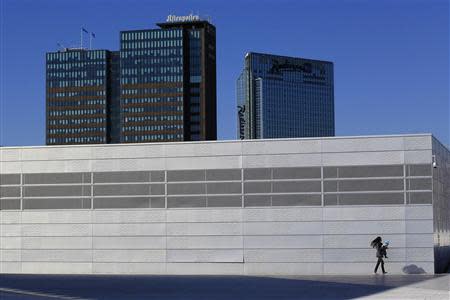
<point x="215" y="241"/>
<point x="269" y="240"/>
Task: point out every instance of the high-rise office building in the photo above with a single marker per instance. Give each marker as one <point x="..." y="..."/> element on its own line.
<point x="160" y="86"/>
<point x="78" y="96"/>
<point x="168" y="80"/>
<point x="283" y="97"/>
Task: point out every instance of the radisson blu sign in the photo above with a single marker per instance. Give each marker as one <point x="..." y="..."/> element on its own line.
<point x="189" y="18"/>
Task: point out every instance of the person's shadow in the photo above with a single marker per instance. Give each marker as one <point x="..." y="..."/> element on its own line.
<point x="413" y="269"/>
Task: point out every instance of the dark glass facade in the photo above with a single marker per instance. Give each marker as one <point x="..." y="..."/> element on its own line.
<point x="165" y="92"/>
<point x="160" y="86"/>
<point x="284" y="97"/>
<point x="77" y="96"/>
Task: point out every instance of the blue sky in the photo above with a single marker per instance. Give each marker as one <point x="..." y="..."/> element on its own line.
<point x="391" y="57"/>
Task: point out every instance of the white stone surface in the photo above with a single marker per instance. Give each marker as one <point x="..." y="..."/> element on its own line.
<point x="129" y="242"/>
<point x="252" y="241"/>
<point x="205" y="256"/>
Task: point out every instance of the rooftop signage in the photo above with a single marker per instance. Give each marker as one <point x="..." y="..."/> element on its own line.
<point x="189" y="18"/>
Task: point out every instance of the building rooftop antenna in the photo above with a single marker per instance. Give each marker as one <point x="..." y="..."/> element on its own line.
<point x="61" y="46"/>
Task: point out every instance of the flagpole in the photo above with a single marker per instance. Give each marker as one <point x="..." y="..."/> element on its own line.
<point x="90" y="41"/>
<point x="81" y="38"/>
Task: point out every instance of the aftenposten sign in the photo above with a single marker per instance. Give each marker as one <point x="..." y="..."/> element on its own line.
<point x="189" y="18"/>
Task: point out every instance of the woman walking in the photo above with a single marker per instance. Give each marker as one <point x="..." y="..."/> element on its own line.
<point x="381" y="252"/>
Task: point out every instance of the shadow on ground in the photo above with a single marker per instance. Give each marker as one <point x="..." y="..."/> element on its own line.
<point x="200" y="287"/>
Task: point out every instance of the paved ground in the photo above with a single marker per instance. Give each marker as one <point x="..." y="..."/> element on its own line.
<point x="223" y="287"/>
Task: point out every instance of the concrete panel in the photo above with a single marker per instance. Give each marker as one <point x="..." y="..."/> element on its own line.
<point x="129" y="268"/>
<point x="417" y="142"/>
<point x="77" y="166"/>
<point x="350" y="241"/>
<point x="56" y="268"/>
<point x="284" y="242"/>
<point x="10" y="154"/>
<point x="419" y="240"/>
<point x="130" y="242"/>
<point x="44" y="166"/>
<point x="419" y="226"/>
<point x="137" y="151"/>
<point x="286" y="160"/>
<point x="202" y="149"/>
<point x="363" y="158"/>
<point x="129" y="216"/>
<point x="10" y="255"/>
<point x="419" y="212"/>
<point x="283" y="255"/>
<point x="418" y="157"/>
<point x="420" y="254"/>
<point x="211" y="162"/>
<point x="204" y="215"/>
<point x="66" y="242"/>
<point x="60" y="216"/>
<point x="10" y="217"/>
<point x="282" y="228"/>
<point x="11" y="267"/>
<point x="275" y="215"/>
<point x="362" y="144"/>
<point x="56" y="153"/>
<point x="128" y="255"/>
<point x="364" y="227"/>
<point x="129" y="229"/>
<point x="205" y="268"/>
<point x="216" y="255"/>
<point x="361" y="255"/>
<point x="59" y="255"/>
<point x="131" y="164"/>
<point x="57" y="230"/>
<point x="278" y="147"/>
<point x="283" y="268"/>
<point x="10" y="242"/>
<point x="11" y="167"/>
<point x="205" y="242"/>
<point x="364" y="213"/>
<point x="10" y="230"/>
<point x="204" y="229"/>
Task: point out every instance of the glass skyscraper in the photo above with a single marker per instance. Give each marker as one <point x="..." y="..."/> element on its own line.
<point x="78" y="96"/>
<point x="160" y="86"/>
<point x="284" y="97"/>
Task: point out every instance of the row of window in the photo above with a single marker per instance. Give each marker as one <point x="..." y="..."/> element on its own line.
<point x="77" y="121"/>
<point x="75" y="140"/>
<point x="152" y="44"/>
<point x="161" y="90"/>
<point x="154" y="118"/>
<point x="77" y="94"/>
<point x="76" y="55"/>
<point x="152" y="128"/>
<point x="76" y="130"/>
<point x="52" y="83"/>
<point x="151" y="34"/>
<point x="76" y="112"/>
<point x="157" y="53"/>
<point x="75" y="74"/>
<point x="153" y="100"/>
<point x="152" y="137"/>
<point x="146" y="79"/>
<point x="75" y="103"/>
<point x="152" y="109"/>
<point x="74" y="65"/>
<point x="157" y="70"/>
